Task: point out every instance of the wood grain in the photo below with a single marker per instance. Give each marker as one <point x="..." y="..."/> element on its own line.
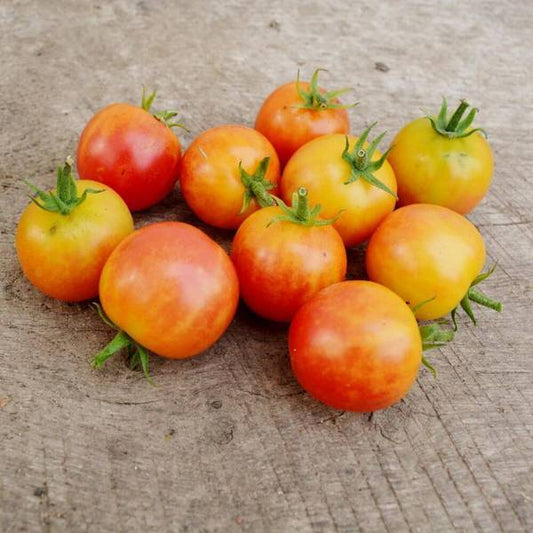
<point x="228" y="441"/>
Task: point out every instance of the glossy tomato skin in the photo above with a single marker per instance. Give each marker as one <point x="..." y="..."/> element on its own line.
<point x="171" y="288"/>
<point x="355" y="346"/>
<point x="433" y="169"/>
<point x="289" y="127"/>
<point x="319" y="167"/>
<point x="63" y="255"/>
<point x="210" y="178"/>
<point x="424" y="251"/>
<point x="282" y="265"/>
<point x="128" y="149"/>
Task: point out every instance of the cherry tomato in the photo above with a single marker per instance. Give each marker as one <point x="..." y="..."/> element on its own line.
<point x="345" y="175"/>
<point x="443" y="162"/>
<point x="284" y="256"/>
<point x="227" y="173"/>
<point x="426" y="253"/>
<point x="131" y="150"/>
<point x="64" y="238"/>
<point x="355" y="346"/>
<point x="298" y="112"/>
<point x="170" y="289"/>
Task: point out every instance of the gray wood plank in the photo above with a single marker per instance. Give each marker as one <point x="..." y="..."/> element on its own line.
<point x="228" y="441"/>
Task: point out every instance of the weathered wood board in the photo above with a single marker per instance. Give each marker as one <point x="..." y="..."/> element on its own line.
<point x="228" y="441"/>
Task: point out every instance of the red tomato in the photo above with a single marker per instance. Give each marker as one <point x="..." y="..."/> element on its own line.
<point x="426" y="253"/>
<point x="227" y="173"/>
<point x="170" y="288"/>
<point x="64" y="238"/>
<point x="355" y="346"/>
<point x="132" y="151"/>
<point x="282" y="259"/>
<point x="352" y="179"/>
<point x="298" y="112"/>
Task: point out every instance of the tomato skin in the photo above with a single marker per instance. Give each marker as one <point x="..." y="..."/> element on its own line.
<point x="319" y="167"/>
<point x="282" y="265"/>
<point x="433" y="169"/>
<point x="426" y="251"/>
<point x="171" y="288"/>
<point x="128" y="149"/>
<point x="210" y="178"/>
<point x="355" y="346"/>
<point x="288" y="127"/>
<point x="63" y="255"/>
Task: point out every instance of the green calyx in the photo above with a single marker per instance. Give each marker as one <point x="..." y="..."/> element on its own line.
<point x="456" y="127"/>
<point x="360" y="160"/>
<point x="137" y="354"/>
<point x="166" y="117"/>
<point x="433" y="336"/>
<point x="473" y="295"/>
<point x="314" y="99"/>
<point x="256" y="186"/>
<point x="65" y="198"/>
<point x="300" y="213"/>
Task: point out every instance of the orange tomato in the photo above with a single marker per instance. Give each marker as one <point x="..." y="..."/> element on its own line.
<point x="227" y="173"/>
<point x="355" y="346"/>
<point x="322" y="167"/>
<point x="170" y="288"/>
<point x="299" y="112"/>
<point x="282" y="262"/>
<point x="63" y="254"/>
<point x="426" y="253"/>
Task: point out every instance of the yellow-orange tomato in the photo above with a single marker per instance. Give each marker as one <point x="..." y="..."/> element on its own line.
<point x="281" y="265"/>
<point x="432" y="168"/>
<point x="355" y="346"/>
<point x="320" y="168"/>
<point x="288" y="125"/>
<point x="426" y="253"/>
<point x="212" y="174"/>
<point x="171" y="288"/>
<point x="63" y="255"/>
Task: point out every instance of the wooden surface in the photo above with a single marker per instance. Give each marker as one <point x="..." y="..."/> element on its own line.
<point x="228" y="441"/>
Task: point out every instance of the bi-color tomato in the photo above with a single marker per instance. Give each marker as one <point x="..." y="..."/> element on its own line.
<point x="283" y="256"/>
<point x="227" y="173"/>
<point x="131" y="150"/>
<point x="170" y="289"/>
<point x="66" y="235"/>
<point x="442" y="161"/>
<point x="429" y="255"/>
<point x="355" y="346"/>
<point x="346" y="175"/>
<point x="299" y="112"/>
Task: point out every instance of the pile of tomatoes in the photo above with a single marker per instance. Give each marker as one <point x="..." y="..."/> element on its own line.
<point x="298" y="189"/>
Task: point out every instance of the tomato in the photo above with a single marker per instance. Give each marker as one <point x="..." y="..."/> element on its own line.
<point x="227" y="173"/>
<point x="131" y="150"/>
<point x="354" y="179"/>
<point x="170" y="289"/>
<point x="299" y="112"/>
<point x="443" y="162"/>
<point x="355" y="346"/>
<point x="284" y="256"/>
<point x="426" y="253"/>
<point x="64" y="238"/>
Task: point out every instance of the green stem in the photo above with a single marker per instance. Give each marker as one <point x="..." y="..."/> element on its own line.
<point x="456" y="117"/>
<point x="481" y="299"/>
<point x="65" y="198"/>
<point x="302" y="210"/>
<point x="256" y="186"/>
<point x="137" y="353"/>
